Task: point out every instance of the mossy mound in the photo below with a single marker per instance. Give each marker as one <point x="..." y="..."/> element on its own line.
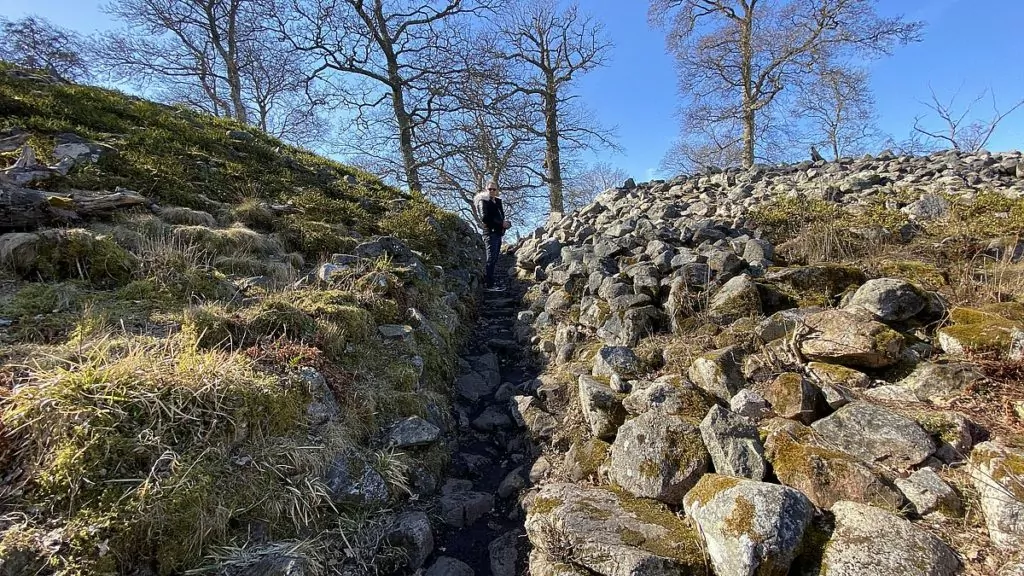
<point x="989" y="330"/>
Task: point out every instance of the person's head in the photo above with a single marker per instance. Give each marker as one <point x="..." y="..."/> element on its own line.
<point x="492" y="188"/>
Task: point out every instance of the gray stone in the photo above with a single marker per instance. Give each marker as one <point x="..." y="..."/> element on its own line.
<point x="889" y="299"/>
<point x="670" y="395"/>
<point x="750" y="404"/>
<point x="616" y="360"/>
<point x="351" y="480"/>
<point x="941" y="382"/>
<point x="869" y="540"/>
<point x="492" y="419"/>
<point x="412" y="533"/>
<point x="512" y="484"/>
<point x="657" y="456"/>
<point x="733" y="443"/>
<point x="719" y="373"/>
<point x="929" y="207"/>
<point x="447" y="566"/>
<point x="847" y="338"/>
<point x="413" y="431"/>
<point x="612" y="535"/>
<point x="270" y="565"/>
<point x="503" y="552"/>
<point x="749" y="527"/>
<point x="737" y="298"/>
<point x="890" y="393"/>
<point x="929" y="493"/>
<point x="475" y="385"/>
<point x="997" y="472"/>
<point x="528" y="414"/>
<point x="876" y="435"/>
<point x="602" y="407"/>
<point x="460" y="509"/>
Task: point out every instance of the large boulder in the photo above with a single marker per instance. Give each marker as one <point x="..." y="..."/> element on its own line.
<point x="941" y="382"/>
<point x="657" y="456"/>
<point x="749" y="527"/>
<point x="719" y="373"/>
<point x="801" y="460"/>
<point x="889" y="299"/>
<point x="412" y="533"/>
<point x="868" y="540"/>
<point x="928" y="493"/>
<point x="733" y="443"/>
<point x="612" y="534"/>
<point x="877" y="435"/>
<point x="737" y="298"/>
<point x="851" y="339"/>
<point x="670" y="395"/>
<point x="997" y="472"/>
<point x="602" y="407"/>
<point x="413" y="431"/>
<point x="995" y="329"/>
<point x="617" y="360"/>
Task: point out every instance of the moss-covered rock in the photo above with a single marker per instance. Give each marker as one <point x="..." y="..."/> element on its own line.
<point x="611" y="533"/>
<point x="990" y="330"/>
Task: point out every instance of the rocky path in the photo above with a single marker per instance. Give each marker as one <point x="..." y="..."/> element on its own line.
<point x="479" y="502"/>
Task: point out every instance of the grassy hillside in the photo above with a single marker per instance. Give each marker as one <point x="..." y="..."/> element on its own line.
<point x="177" y="381"/>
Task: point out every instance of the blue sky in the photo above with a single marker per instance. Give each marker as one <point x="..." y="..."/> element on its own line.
<point x="969" y="45"/>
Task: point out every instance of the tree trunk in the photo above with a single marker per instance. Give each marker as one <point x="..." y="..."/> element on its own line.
<point x="746" y="70"/>
<point x="405" y="139"/>
<point x="552" y="155"/>
<point x="22" y="209"/>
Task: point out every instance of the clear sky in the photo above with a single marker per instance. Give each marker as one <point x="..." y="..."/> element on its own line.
<point x="969" y="45"/>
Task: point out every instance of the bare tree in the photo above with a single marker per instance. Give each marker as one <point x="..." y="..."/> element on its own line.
<point x="582" y="187"/>
<point x="392" y="61"/>
<point x="738" y="56"/>
<point x="217" y="56"/>
<point x="960" y="130"/>
<point x="838" y="111"/>
<point x="555" y="46"/>
<point x="35" y="42"/>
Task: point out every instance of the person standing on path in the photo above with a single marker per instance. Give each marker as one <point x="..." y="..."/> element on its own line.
<point x="492" y="215"/>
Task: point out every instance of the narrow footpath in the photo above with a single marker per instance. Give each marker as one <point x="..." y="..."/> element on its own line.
<point x="491" y="463"/>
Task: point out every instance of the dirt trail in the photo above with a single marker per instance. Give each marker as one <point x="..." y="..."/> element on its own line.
<point x="479" y="501"/>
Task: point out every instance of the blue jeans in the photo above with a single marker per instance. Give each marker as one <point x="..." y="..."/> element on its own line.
<point x="493" y="244"/>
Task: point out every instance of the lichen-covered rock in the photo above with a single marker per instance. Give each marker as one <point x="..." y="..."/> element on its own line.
<point x="868" y="540"/>
<point x="997" y="472"/>
<point x="527" y="413"/>
<point x="941" y="382"/>
<point x="836" y="375"/>
<point x="719" y="373"/>
<point x="782" y="323"/>
<point x="737" y="298"/>
<point x="585" y="458"/>
<point x="448" y="566"/>
<point x="413" y="431"/>
<point x="876" y="435"/>
<point x="952" y="431"/>
<point x="793" y="396"/>
<point x="412" y="533"/>
<point x="889" y="299"/>
<point x="990" y="329"/>
<point x="543" y="564"/>
<point x="657" y="456"/>
<point x="351" y="480"/>
<point x="929" y="493"/>
<point x="733" y="443"/>
<point x="750" y="528"/>
<point x="670" y="395"/>
<point x="619" y="360"/>
<point x="750" y="404"/>
<point x="850" y="339"/>
<point x="612" y="534"/>
<point x="602" y="407"/>
<point x="827" y="279"/>
<point x="800" y="460"/>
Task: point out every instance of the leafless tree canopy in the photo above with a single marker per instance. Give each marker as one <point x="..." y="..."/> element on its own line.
<point x="946" y="126"/>
<point x="587" y="183"/>
<point x="34" y="42"/>
<point x="736" y="58"/>
<point x="838" y="111"/>
<point x="551" y="47"/>
<point x="217" y="56"/>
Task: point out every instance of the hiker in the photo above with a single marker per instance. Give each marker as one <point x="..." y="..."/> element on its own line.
<point x="492" y="215"/>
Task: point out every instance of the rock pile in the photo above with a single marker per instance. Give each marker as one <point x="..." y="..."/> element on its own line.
<point x="815" y="418"/>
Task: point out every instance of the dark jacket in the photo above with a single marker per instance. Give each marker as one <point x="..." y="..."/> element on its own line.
<point x="492" y="214"/>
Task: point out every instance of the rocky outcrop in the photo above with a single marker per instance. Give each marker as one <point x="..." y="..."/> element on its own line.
<point x="753" y="386"/>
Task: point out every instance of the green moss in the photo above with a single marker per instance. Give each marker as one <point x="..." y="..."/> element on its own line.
<point x="593" y="511"/>
<point x="709" y="486"/>
<point x="543" y="505"/>
<point x="740" y="520"/>
<point x="985" y="330"/>
<point x="650" y="468"/>
<point x="679" y="541"/>
<point x="914" y="271"/>
<point x="78" y="254"/>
